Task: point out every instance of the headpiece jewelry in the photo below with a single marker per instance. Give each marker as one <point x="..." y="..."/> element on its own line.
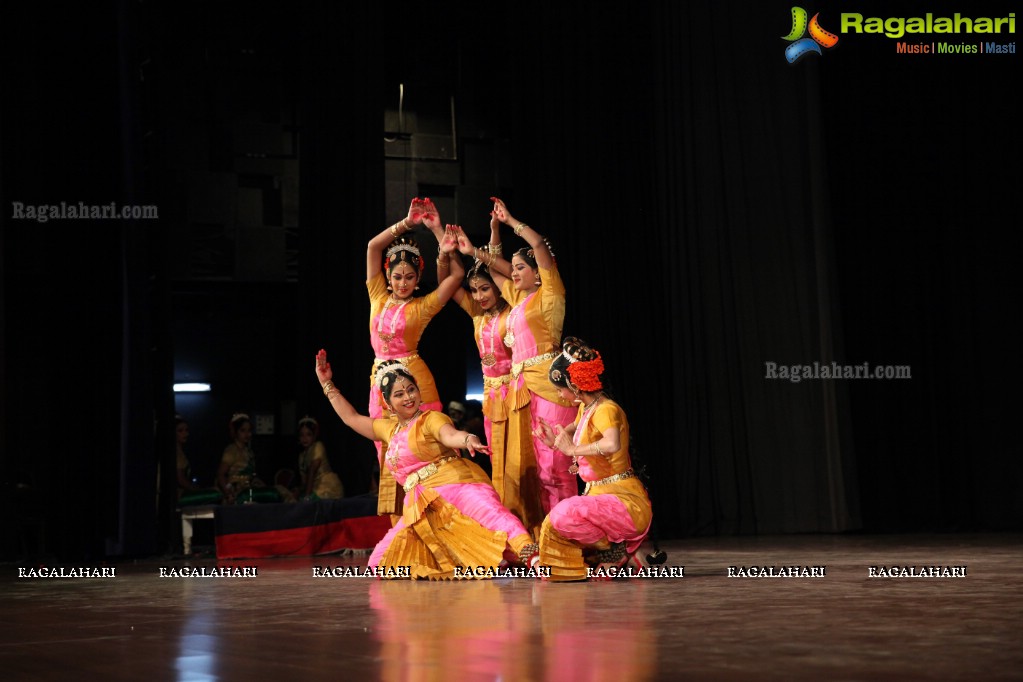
<point x="238" y="416"/>
<point x="308" y="420"/>
<point x="478" y="270"/>
<point x="528" y="252"/>
<point x="401" y="248"/>
<point x="388" y="368"/>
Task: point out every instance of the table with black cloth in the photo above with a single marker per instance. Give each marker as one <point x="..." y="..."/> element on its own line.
<point x="245" y="531"/>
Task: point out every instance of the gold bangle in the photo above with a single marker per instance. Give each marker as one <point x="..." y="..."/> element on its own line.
<point x="494" y="249"/>
<point x="442" y="263"/>
<point x="399" y="227"/>
<point x="328" y="386"/>
<point x="596" y="446"/>
<point x="518" y="230"/>
<point x="465" y="444"/>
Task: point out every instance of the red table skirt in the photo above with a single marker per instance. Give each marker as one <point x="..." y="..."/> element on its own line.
<point x="299" y="529"/>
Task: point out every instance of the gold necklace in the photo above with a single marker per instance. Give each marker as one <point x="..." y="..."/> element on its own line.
<point x="583" y="421"/>
<point x="384" y="336"/>
<point x="392" y="451"/>
<point x="489" y="359"/>
<point x="509" y="335"/>
<point x="403" y="424"/>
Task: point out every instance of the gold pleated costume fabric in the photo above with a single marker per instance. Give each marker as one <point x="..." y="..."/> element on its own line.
<point x="564" y="557"/>
<point x="441" y="539"/>
<point x="437" y="537"/>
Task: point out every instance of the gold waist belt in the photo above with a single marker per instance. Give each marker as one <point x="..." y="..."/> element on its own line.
<point x="403" y="360"/>
<point x="628" y="473"/>
<point x="517" y="367"/>
<point x="496" y="382"/>
<point x="420" y="475"/>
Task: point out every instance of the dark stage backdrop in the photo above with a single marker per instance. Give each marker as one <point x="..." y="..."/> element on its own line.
<point x="713" y="209"/>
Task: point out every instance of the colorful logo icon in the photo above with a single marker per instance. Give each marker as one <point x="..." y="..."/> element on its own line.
<point x="801" y="46"/>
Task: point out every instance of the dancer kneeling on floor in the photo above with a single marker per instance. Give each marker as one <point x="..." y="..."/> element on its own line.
<point x="452" y="517"/>
<point x="605" y="525"/>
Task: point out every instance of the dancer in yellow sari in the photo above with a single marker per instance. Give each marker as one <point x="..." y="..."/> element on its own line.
<point x="605" y="525"/>
<point x="532" y="286"/>
<point x="452" y="518"/>
<point x="398" y="317"/>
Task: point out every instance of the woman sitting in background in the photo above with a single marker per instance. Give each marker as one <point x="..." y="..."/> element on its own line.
<point x="237" y="473"/>
<point x="189" y="492"/>
<point x="318" y="481"/>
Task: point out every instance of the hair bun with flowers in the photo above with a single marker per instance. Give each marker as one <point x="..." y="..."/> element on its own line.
<point x="584" y="364"/>
<point x="586" y="374"/>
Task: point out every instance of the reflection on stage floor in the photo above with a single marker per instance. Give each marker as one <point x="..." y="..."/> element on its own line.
<point x="884" y="607"/>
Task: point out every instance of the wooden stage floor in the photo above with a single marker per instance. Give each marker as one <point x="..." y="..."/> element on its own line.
<point x="286" y="624"/>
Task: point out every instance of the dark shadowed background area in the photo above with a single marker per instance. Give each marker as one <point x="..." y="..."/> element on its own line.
<point x="713" y="210"/>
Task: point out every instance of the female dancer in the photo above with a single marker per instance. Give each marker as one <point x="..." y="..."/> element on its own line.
<point x="452" y="516"/>
<point x="532" y="285"/>
<point x="607" y="523"/>
<point x="513" y="470"/>
<point x="398" y="318"/>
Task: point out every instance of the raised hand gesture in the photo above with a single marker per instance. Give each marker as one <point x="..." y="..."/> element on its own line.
<point x="449" y="242"/>
<point x="431" y="216"/>
<point x="501" y="212"/>
<point x="464" y="245"/>
<point x="323" y="371"/>
<point x="416" y="211"/>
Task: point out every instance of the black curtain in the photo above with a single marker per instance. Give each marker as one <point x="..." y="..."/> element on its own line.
<point x="342" y="190"/>
<point x="63" y="296"/>
<point x="923" y="156"/>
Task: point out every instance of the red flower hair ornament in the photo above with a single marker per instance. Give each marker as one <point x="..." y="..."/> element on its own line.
<point x="585" y="374"/>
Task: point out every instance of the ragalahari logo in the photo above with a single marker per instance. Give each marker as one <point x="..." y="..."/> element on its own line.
<point x="802" y="46"/>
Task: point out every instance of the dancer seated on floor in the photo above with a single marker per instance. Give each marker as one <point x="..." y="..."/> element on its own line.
<point x="605" y="525"/>
<point x="452" y="516"/>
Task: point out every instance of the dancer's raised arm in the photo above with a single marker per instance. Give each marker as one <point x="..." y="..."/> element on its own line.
<point x="449" y="264"/>
<point x="359" y="423"/>
<point x="376" y="246"/>
<point x="535" y="240"/>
